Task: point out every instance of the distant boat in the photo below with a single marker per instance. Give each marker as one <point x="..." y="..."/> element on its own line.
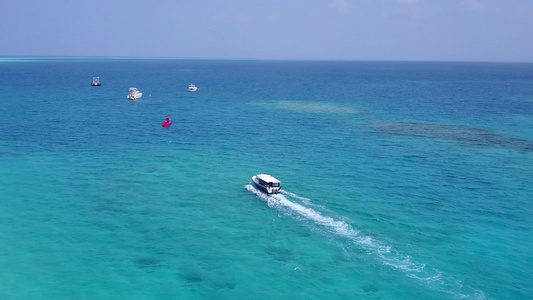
<point x="267" y="183"/>
<point x="96" y="81"/>
<point x="134" y="94"/>
<point x="192" y="88"/>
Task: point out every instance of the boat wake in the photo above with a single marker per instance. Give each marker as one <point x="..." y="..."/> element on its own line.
<point x="377" y="249"/>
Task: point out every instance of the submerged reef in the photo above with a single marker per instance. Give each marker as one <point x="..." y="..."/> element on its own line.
<point x="463" y="134"/>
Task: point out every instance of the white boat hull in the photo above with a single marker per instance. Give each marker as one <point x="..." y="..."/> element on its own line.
<point x="135" y="96"/>
<point x="265" y="187"/>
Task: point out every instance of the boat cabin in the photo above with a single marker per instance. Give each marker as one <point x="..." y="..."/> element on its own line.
<point x="134" y="94"/>
<point x="96" y="81"/>
<point x="192" y="88"/>
<point x="267" y="183"/>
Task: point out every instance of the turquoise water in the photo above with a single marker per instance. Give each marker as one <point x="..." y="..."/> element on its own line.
<point x="401" y="180"/>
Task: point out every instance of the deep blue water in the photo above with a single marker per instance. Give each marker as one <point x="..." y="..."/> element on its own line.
<point x="401" y="180"/>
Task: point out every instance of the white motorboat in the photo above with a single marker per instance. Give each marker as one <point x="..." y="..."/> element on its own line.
<point x="96" y="81"/>
<point x="134" y="94"/>
<point x="192" y="88"/>
<point x="267" y="183"/>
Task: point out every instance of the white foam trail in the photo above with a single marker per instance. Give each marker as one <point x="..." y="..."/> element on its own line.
<point x="306" y="201"/>
<point x="338" y="227"/>
<point x="387" y="256"/>
<point x="278" y="200"/>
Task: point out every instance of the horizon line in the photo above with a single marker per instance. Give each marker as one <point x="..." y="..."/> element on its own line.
<point x="251" y="59"/>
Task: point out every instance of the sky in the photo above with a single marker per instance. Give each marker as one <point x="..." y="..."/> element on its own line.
<point x="405" y="30"/>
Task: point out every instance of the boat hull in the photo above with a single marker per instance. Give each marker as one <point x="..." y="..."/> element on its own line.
<point x="136" y="96"/>
<point x="265" y="189"/>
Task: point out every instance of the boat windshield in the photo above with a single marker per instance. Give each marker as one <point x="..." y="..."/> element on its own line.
<point x="275" y="184"/>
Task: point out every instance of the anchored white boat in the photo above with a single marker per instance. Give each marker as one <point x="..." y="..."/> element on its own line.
<point x="267" y="183"/>
<point x="192" y="88"/>
<point x="134" y="94"/>
<point x="96" y="81"/>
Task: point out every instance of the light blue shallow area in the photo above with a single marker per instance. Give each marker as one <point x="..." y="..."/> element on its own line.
<point x="401" y="180"/>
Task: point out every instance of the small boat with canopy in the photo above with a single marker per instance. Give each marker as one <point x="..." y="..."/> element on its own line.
<point x="96" y="81"/>
<point x="267" y="183"/>
<point x="134" y="94"/>
<point x="192" y="88"/>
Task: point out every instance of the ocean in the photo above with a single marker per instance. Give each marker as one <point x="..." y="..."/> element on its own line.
<point x="401" y="180"/>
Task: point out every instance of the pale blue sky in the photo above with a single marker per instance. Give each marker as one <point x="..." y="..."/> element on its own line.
<point x="444" y="30"/>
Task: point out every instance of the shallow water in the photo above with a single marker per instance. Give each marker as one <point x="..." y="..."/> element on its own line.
<point x="401" y="180"/>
